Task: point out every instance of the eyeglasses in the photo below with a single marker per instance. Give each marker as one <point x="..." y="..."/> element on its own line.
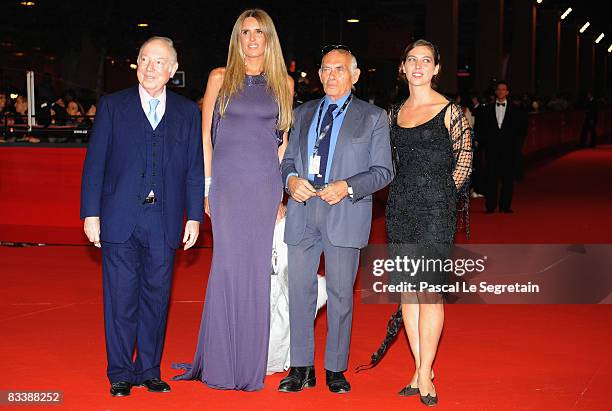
<point x="332" y="47"/>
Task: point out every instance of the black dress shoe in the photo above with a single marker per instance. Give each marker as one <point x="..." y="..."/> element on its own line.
<point x="408" y="391"/>
<point x="507" y="210"/>
<point x="156" y="385"/>
<point x="336" y="382"/>
<point x="298" y="379"/>
<point x="429" y="400"/>
<point x="120" y="389"/>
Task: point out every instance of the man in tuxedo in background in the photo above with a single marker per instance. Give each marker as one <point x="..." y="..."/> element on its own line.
<point x="143" y="170"/>
<point x="501" y="128"/>
<point x="589" y="126"/>
<point x="339" y="154"/>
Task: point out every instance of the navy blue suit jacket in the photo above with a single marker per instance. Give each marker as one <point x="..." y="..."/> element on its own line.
<point x="112" y="175"/>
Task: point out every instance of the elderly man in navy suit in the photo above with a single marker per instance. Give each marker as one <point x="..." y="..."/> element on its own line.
<point x="338" y="155"/>
<point x="143" y="172"/>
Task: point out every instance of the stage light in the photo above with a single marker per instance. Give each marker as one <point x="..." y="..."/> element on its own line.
<point x="143" y="24"/>
<point x="372" y="70"/>
<point x="303" y="74"/>
<point x="566" y="13"/>
<point x="13" y="96"/>
<point x="133" y="66"/>
<point x="28" y="3"/>
<point x="539" y="1"/>
<point x="610" y="49"/>
<point x="601" y="36"/>
<point x="583" y="28"/>
<point x="352" y="20"/>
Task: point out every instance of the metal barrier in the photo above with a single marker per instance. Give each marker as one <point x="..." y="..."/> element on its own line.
<point x="16" y="128"/>
<point x="547" y="130"/>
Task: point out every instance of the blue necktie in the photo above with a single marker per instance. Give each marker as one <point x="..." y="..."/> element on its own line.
<point x="152" y="116"/>
<point x="323" y="151"/>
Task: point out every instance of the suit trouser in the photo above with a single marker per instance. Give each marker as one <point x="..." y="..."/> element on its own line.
<point x="341" y="265"/>
<point x="137" y="277"/>
<point x="478" y="173"/>
<point x="499" y="168"/>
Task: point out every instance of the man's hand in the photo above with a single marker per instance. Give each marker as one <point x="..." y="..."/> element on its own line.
<point x="334" y="192"/>
<point x="192" y="230"/>
<point x="91" y="226"/>
<point x="300" y="189"/>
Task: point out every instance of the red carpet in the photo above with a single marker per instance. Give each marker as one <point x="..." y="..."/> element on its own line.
<point x="491" y="357"/>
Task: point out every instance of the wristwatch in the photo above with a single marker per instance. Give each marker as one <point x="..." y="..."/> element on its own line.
<point x="350" y="191"/>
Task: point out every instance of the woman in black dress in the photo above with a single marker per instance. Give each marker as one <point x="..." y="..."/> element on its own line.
<point x="432" y="139"/>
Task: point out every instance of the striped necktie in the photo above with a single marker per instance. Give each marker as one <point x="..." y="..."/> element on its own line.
<point x="324" y="145"/>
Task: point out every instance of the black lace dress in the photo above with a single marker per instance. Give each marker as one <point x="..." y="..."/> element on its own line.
<point x="421" y="209"/>
<point x="429" y="192"/>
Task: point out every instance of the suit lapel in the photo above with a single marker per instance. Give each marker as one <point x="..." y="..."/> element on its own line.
<point x="172" y="127"/>
<point x="133" y="115"/>
<point x="507" y="115"/>
<point x="308" y="116"/>
<point x="350" y="127"/>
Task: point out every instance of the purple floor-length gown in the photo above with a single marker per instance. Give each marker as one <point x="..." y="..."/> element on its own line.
<point x="232" y="348"/>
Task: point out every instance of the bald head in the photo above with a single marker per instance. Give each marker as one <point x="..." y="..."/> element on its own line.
<point x="163" y="40"/>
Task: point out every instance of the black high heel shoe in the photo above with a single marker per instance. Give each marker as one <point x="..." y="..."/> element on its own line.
<point x="408" y="391"/>
<point x="429" y="400"/>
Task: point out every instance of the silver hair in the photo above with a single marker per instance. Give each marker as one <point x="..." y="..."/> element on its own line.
<point x="166" y="40"/>
<point x="353" y="63"/>
<point x="353" y="59"/>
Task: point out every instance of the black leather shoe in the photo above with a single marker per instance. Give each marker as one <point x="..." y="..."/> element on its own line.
<point x="336" y="382"/>
<point x="408" y="391"/>
<point x="120" y="389"/>
<point x="156" y="385"/>
<point x="429" y="400"/>
<point x="298" y="379"/>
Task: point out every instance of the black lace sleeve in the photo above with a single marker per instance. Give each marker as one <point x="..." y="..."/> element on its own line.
<point x="461" y="138"/>
<point x="461" y="135"/>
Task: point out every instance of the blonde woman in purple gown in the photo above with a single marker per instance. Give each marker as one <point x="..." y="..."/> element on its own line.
<point x="247" y="112"/>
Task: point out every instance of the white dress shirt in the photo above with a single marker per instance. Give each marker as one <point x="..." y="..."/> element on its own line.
<point x="500" y="111"/>
<point x="145" y="98"/>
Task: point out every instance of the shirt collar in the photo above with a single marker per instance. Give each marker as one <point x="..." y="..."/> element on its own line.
<point x="146" y="97"/>
<point x="339" y="102"/>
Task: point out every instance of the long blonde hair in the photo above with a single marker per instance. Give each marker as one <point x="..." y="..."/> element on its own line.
<point x="274" y="68"/>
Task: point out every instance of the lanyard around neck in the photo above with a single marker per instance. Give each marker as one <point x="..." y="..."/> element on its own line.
<point x="323" y="132"/>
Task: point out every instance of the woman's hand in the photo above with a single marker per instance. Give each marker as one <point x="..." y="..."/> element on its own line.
<point x="282" y="209"/>
<point x="206" y="207"/>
